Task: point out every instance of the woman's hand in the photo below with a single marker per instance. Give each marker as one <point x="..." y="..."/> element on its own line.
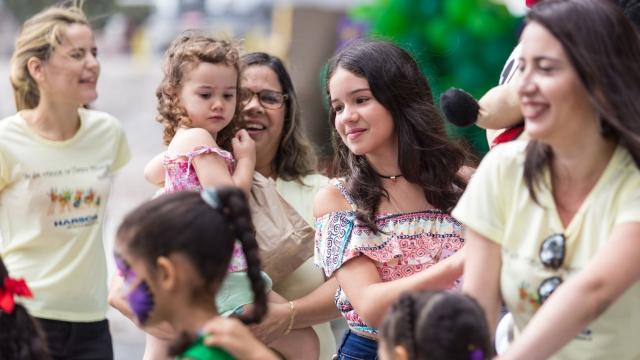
<point x="234" y="337"/>
<point x="243" y="146"/>
<point x="274" y="324"/>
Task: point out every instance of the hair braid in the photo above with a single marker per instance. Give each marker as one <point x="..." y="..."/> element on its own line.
<point x="406" y="305"/>
<point x="240" y="217"/>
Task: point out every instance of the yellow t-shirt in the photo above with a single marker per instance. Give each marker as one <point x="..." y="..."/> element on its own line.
<point x="497" y="205"/>
<point x="307" y="276"/>
<point x="52" y="201"/>
<point x="301" y="196"/>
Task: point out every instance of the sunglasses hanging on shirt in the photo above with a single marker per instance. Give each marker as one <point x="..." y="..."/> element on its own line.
<point x="552" y="254"/>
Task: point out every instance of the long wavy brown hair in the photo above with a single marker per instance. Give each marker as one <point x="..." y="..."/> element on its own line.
<point x="184" y="53"/>
<point x="606" y="57"/>
<point x="295" y="157"/>
<point x="425" y="155"/>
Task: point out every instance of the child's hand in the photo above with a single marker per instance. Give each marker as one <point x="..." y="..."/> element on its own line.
<point x="233" y="336"/>
<point x="274" y="324"/>
<point x="243" y="146"/>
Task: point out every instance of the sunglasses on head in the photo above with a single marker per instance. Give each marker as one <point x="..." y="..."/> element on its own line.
<point x="552" y="254"/>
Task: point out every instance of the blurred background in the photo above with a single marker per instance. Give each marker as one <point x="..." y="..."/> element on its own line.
<point x="461" y="43"/>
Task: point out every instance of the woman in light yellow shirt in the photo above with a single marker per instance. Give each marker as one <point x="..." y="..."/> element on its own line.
<point x="56" y="164"/>
<point x="553" y="226"/>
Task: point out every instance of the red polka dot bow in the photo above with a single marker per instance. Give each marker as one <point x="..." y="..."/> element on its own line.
<point x="12" y="287"/>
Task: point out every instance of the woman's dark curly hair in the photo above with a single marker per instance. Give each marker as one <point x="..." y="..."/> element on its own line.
<point x="425" y="155"/>
<point x="295" y="157"/>
<point x="20" y="335"/>
<point x="438" y="325"/>
<point x="184" y="53"/>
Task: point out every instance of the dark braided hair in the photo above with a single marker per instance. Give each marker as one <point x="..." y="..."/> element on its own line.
<point x="404" y="310"/>
<point x="438" y="325"/>
<point x="20" y="335"/>
<point x="183" y="222"/>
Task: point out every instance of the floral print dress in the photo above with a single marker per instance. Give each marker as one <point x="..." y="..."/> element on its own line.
<point x="406" y="243"/>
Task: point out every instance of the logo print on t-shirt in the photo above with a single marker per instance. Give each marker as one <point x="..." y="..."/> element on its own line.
<point x="527" y="299"/>
<point x="67" y="200"/>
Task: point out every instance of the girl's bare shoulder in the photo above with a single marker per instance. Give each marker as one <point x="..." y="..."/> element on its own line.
<point x="186" y="139"/>
<point x="329" y="199"/>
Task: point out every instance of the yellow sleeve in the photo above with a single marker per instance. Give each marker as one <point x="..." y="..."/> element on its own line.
<point x="4" y="171"/>
<point x="123" y="154"/>
<point x="482" y="207"/>
<point x="629" y="198"/>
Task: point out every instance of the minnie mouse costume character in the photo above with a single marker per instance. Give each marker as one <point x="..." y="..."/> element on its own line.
<point x="498" y="111"/>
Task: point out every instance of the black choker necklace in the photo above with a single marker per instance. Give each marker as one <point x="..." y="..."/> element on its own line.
<point x="392" y="177"/>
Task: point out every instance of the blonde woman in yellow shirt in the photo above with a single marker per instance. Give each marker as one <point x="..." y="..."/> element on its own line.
<point x="56" y="161"/>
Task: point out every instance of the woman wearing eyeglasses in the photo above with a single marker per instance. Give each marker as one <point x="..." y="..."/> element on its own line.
<point x="553" y="225"/>
<point x="273" y="120"/>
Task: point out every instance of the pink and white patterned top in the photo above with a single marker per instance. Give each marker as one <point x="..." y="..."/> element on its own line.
<point x="405" y="244"/>
<point x="180" y="175"/>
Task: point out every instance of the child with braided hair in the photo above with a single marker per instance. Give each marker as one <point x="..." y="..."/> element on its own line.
<point x="171" y="272"/>
<point x="435" y="325"/>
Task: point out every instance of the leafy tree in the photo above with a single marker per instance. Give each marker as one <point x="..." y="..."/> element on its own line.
<point x="461" y="43"/>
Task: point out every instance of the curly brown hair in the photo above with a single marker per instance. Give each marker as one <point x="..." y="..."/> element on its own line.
<point x="184" y="53"/>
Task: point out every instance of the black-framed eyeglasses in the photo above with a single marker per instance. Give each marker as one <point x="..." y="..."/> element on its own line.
<point x="269" y="99"/>
<point x="552" y="254"/>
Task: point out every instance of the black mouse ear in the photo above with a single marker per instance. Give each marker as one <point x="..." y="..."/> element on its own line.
<point x="459" y="107"/>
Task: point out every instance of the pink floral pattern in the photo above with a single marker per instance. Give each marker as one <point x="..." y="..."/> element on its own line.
<point x="180" y="175"/>
<point x="404" y="245"/>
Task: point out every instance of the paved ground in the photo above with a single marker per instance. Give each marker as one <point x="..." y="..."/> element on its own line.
<point x="126" y="90"/>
